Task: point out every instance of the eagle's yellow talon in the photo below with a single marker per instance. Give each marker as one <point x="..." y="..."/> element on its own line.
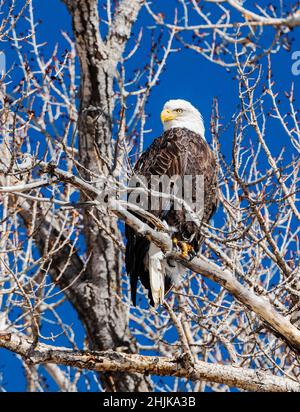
<point x="186" y="248"/>
<point x="175" y="241"/>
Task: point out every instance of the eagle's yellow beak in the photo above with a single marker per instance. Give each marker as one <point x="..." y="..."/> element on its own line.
<point x="167" y="115"/>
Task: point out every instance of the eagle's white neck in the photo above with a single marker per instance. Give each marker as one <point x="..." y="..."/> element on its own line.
<point x="194" y="124"/>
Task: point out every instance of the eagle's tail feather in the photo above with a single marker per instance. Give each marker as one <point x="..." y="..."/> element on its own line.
<point x="156" y="274"/>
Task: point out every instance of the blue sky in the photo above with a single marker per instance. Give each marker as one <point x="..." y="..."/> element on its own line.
<point x="187" y="75"/>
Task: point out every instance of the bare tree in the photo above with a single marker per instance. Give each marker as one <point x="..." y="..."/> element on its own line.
<point x="61" y="146"/>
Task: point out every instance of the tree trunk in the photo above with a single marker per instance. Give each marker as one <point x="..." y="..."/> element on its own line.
<point x="105" y="315"/>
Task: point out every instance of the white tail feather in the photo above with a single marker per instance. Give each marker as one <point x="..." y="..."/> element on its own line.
<point x="156" y="273"/>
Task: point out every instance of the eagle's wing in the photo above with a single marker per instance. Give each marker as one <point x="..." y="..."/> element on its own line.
<point x="163" y="157"/>
<point x="202" y="162"/>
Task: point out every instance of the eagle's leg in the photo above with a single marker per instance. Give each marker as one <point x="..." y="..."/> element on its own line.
<point x="187" y="250"/>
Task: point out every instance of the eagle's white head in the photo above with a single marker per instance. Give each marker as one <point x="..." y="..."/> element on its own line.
<point x="180" y="113"/>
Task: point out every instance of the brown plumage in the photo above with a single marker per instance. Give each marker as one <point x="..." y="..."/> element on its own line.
<point x="178" y="151"/>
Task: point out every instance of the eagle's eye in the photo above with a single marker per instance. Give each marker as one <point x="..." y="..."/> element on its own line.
<point x="178" y="110"/>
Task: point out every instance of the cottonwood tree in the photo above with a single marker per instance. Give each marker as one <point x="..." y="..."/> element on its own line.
<point x="73" y="120"/>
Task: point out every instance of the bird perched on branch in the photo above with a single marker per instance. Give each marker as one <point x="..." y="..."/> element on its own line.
<point x="182" y="158"/>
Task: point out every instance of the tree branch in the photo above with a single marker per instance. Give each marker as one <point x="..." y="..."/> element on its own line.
<point x="108" y="361"/>
<point x="261" y="305"/>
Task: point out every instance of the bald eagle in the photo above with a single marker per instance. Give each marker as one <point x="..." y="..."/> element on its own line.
<point x="181" y="151"/>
